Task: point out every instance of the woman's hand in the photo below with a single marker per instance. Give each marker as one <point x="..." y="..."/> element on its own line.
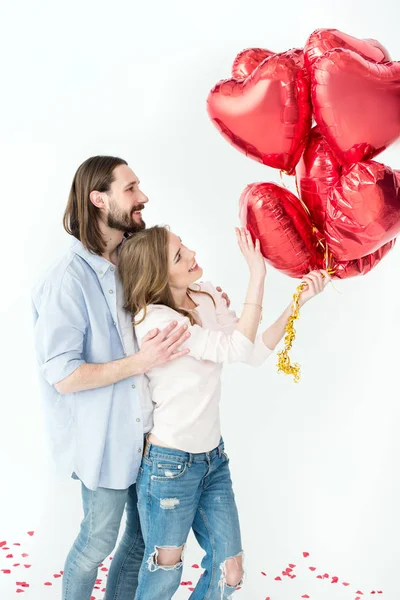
<point x="316" y="282"/>
<point x="251" y="253"/>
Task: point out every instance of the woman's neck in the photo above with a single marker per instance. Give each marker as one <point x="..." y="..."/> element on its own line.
<point x="182" y="298"/>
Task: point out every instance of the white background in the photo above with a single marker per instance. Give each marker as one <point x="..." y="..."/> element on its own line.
<point x="315" y="465"/>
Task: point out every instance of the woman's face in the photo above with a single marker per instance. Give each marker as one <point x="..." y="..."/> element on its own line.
<point x="182" y="266"/>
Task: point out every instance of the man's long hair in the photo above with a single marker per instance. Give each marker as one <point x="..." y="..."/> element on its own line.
<point x="81" y="216"/>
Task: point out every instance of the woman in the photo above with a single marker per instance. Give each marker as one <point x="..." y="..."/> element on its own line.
<point x="184" y="482"/>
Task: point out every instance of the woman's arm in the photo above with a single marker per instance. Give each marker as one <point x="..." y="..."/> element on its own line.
<point x="316" y="282"/>
<point x="249" y="319"/>
<point x="266" y="342"/>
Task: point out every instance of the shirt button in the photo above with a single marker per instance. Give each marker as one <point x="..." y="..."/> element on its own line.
<point x="115" y="324"/>
<point x="137" y="420"/>
<point x="111" y="268"/>
<point x="139" y="450"/>
<point x="133" y="385"/>
<point x="110" y="291"/>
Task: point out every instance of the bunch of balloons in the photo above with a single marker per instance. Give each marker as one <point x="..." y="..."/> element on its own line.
<point x="347" y="213"/>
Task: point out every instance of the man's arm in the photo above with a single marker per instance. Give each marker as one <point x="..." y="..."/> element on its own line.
<point x="60" y="329"/>
<point x="156" y="350"/>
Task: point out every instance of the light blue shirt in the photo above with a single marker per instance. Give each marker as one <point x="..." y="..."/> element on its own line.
<point x="98" y="433"/>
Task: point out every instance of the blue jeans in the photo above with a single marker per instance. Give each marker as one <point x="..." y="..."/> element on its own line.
<point x="178" y="491"/>
<point x="103" y="510"/>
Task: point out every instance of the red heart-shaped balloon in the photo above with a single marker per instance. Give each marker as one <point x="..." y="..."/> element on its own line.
<point x="248" y="60"/>
<point x="360" y="266"/>
<point x="275" y="216"/>
<point x="288" y="240"/>
<point x="356" y="104"/>
<point x="316" y="173"/>
<point x="363" y="210"/>
<point x="324" y="40"/>
<point x="267" y="115"/>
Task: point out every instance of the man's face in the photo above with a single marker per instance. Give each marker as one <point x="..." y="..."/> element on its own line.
<point x="126" y="201"/>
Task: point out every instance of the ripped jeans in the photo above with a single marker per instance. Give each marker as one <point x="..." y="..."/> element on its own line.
<point x="178" y="491"/>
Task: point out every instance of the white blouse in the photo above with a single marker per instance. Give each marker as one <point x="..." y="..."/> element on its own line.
<point x="186" y="392"/>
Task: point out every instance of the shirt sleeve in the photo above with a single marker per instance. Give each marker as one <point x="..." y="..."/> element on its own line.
<point x="204" y="344"/>
<point x="228" y="320"/>
<point x="60" y="327"/>
<point x="225" y="344"/>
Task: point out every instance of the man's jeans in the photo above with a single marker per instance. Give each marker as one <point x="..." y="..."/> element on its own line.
<point x="178" y="491"/>
<point x="103" y="510"/>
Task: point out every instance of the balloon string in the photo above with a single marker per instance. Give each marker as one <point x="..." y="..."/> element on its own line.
<point x="284" y="363"/>
<point x="321" y="241"/>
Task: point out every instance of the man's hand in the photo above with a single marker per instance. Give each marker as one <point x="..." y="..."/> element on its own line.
<point x="158" y="349"/>
<point x="224" y="296"/>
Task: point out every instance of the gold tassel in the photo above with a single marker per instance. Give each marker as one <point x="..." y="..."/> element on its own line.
<point x="284" y="365"/>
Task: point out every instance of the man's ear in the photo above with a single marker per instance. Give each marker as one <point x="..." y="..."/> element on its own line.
<point x="97" y="199"/>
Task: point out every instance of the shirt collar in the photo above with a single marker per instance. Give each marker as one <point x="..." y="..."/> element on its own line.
<point x="99" y="264"/>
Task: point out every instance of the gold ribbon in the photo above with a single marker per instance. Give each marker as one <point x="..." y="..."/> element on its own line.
<point x="284" y="364"/>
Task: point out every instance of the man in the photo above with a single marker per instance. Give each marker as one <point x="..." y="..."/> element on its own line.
<point x="97" y="402"/>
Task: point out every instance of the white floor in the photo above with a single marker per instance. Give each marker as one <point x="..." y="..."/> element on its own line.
<point x="25" y="569"/>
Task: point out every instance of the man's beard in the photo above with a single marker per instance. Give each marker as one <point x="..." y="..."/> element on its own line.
<point x="123" y="221"/>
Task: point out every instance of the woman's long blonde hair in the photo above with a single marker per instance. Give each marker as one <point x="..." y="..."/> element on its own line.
<point x="143" y="268"/>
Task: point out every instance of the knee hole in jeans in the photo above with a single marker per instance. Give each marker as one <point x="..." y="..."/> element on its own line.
<point x="166" y="558"/>
<point x="232" y="571"/>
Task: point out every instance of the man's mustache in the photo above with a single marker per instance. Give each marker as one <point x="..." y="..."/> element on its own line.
<point x="138" y="207"/>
